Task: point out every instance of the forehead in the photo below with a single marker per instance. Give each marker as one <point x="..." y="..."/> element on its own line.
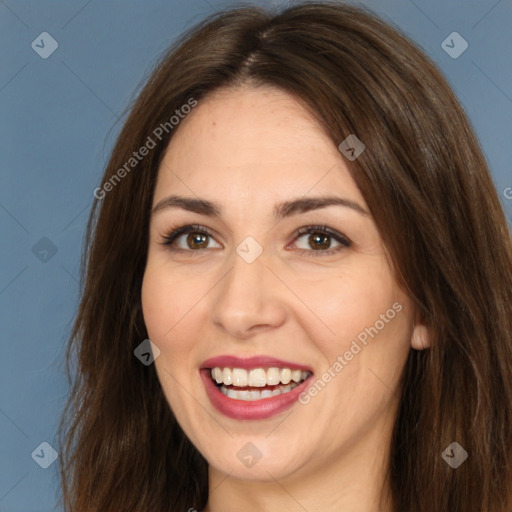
<point x="252" y="144"/>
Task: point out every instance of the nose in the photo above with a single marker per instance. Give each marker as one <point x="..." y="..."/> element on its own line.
<point x="249" y="299"/>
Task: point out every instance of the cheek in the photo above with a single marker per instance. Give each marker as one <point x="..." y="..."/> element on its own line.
<point x="163" y="305"/>
<point x="154" y="297"/>
<point x="346" y="303"/>
<point x="165" y="302"/>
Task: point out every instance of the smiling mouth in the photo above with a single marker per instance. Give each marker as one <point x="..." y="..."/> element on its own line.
<point x="256" y="383"/>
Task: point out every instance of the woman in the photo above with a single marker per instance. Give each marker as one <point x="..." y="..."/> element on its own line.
<point x="299" y="217"/>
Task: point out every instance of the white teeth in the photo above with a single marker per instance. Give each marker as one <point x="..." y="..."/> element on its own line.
<point x="273" y="376"/>
<point x="239" y="377"/>
<point x="252" y="395"/>
<point x="217" y="375"/>
<point x="227" y="376"/>
<point x="241" y="395"/>
<point x="296" y="375"/>
<point x="282" y="380"/>
<point x="286" y="375"/>
<point x="257" y="378"/>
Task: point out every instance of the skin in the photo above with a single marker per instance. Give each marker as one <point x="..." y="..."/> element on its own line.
<point x="248" y="149"/>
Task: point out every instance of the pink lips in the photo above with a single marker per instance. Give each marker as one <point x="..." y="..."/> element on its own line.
<point x="253" y="410"/>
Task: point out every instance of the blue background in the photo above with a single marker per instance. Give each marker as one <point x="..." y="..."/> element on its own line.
<point x="59" y="119"/>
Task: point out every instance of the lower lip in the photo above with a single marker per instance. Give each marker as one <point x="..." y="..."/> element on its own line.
<point x="250" y="410"/>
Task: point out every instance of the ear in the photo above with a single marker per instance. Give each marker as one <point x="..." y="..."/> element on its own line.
<point x="420" y="338"/>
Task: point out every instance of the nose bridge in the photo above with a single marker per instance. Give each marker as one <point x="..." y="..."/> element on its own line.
<point x="246" y="296"/>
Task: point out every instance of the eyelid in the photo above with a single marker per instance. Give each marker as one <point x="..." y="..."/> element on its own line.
<point x="175" y="232"/>
<point x="344" y="241"/>
<point x="316" y="228"/>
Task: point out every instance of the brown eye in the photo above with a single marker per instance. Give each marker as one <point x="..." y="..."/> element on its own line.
<point x="320" y="240"/>
<point x="197" y="239"/>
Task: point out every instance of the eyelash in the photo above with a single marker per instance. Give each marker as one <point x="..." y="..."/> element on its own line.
<point x="170" y="238"/>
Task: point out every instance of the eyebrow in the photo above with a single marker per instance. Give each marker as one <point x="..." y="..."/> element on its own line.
<point x="281" y="210"/>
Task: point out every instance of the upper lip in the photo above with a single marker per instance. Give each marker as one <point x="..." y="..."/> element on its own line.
<point x="229" y="361"/>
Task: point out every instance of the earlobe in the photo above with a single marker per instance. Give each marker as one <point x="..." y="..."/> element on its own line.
<point x="420" y="338"/>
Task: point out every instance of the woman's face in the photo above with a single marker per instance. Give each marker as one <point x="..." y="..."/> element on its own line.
<point x="254" y="294"/>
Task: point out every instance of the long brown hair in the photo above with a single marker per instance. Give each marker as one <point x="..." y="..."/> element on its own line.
<point x="428" y="187"/>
